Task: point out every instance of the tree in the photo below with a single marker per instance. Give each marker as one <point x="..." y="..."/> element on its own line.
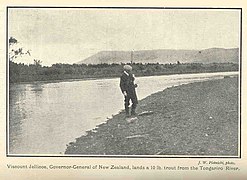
<point x="12" y="41"/>
<point x="37" y="62"/>
<point x="14" y="50"/>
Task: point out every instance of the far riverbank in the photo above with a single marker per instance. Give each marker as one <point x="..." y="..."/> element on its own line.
<point x="19" y="73"/>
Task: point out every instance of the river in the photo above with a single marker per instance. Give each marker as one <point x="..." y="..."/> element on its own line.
<point x="44" y="117"/>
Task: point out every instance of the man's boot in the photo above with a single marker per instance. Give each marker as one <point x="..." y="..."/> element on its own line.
<point x="127" y="113"/>
<point x="133" y="111"/>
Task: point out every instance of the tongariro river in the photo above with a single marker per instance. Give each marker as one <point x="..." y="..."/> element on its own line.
<point x="44" y="117"/>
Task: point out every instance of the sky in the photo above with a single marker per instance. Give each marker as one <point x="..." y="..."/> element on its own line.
<point x="71" y="35"/>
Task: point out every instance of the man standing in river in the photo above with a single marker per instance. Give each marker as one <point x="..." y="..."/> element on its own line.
<point x="128" y="86"/>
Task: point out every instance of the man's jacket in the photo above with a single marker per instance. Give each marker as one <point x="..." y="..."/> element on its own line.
<point x="127" y="83"/>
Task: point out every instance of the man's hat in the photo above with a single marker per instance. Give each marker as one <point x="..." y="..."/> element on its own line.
<point x="127" y="67"/>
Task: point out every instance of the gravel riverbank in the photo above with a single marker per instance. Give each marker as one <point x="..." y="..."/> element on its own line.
<point x="193" y="119"/>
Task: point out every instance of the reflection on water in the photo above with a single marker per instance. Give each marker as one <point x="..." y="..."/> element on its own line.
<point x="44" y="117"/>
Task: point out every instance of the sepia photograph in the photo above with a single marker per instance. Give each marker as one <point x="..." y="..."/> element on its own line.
<point x="123" y="82"/>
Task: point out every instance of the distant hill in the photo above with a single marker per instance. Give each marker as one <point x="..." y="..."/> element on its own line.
<point x="163" y="56"/>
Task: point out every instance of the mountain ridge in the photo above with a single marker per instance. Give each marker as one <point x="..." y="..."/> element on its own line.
<point x="164" y="56"/>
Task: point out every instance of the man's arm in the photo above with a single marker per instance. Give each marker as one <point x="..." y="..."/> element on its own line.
<point x="123" y="85"/>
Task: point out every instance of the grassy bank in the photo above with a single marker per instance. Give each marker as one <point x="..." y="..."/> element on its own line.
<point x="193" y="119"/>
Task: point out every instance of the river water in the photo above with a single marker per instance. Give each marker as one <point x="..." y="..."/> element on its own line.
<point x="44" y="117"/>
